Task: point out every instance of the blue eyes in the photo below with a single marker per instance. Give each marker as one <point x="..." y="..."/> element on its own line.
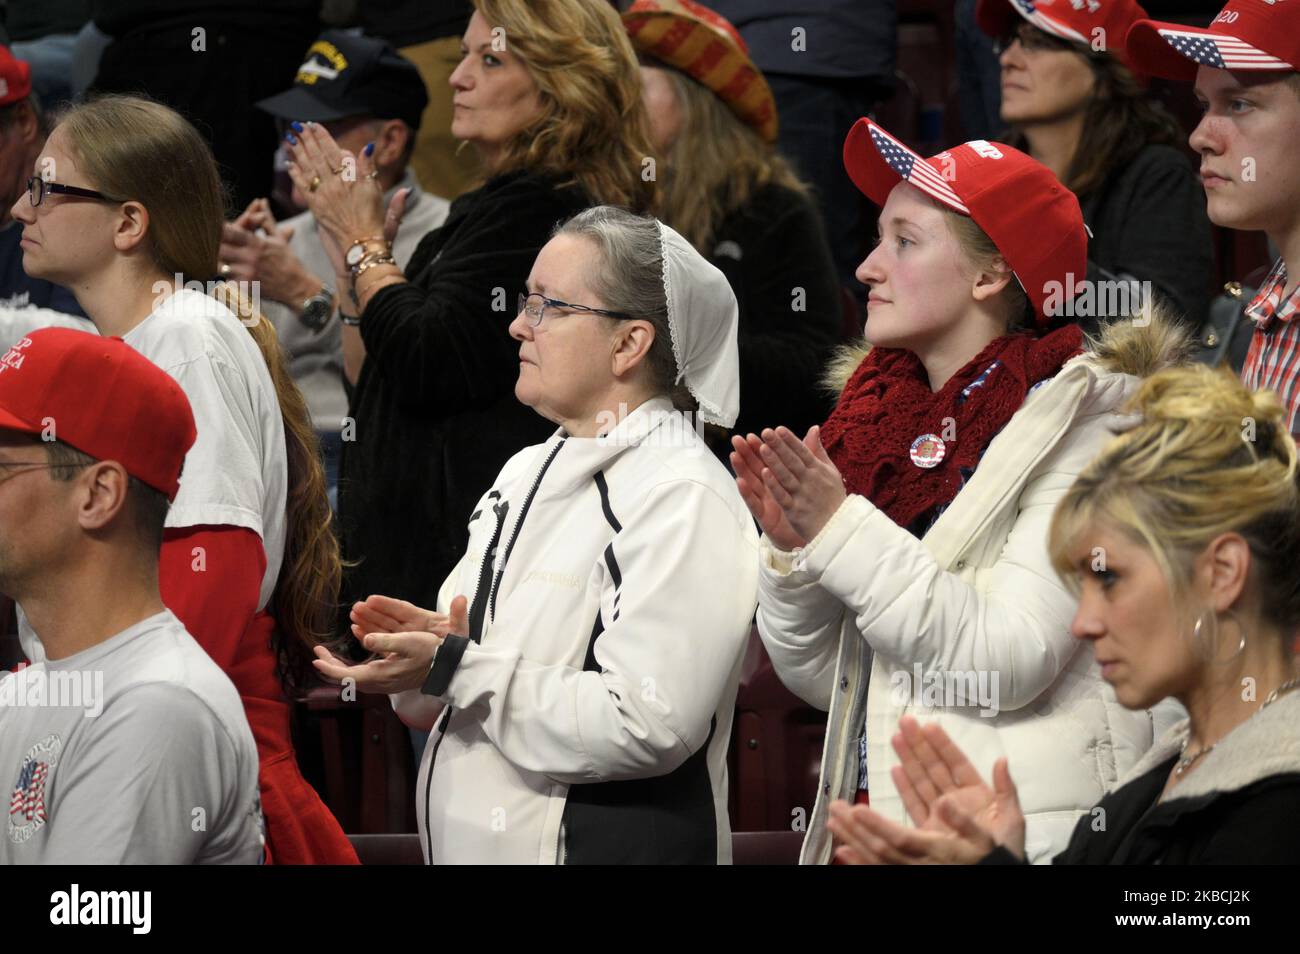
<point x="1235" y="106"/>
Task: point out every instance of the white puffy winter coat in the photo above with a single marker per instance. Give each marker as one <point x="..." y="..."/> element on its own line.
<point x="967" y="627"/>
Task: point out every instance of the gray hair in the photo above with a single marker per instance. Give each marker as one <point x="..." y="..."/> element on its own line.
<point x="631" y="280"/>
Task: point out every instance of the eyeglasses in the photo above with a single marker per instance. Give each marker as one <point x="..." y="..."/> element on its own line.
<point x="38" y="189"/>
<point x="12" y="469"/>
<point x="535" y="305"/>
<point x="1031" y="40"/>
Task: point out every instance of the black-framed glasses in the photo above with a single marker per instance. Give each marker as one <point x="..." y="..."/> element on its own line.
<point x="38" y="189"/>
<point x="1032" y="39"/>
<point x="11" y="469"/>
<point x="534" y="307"/>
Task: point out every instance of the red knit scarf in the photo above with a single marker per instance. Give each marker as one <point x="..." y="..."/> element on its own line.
<point x="887" y="404"/>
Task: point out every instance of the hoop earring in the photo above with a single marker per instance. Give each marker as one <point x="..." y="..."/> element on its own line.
<point x="1209" y="649"/>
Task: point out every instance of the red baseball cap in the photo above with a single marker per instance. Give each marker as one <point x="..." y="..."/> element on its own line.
<point x="15" y="78"/>
<point x="102" y="397"/>
<point x="1249" y="35"/>
<point x="1034" y="221"/>
<point x="1076" y="20"/>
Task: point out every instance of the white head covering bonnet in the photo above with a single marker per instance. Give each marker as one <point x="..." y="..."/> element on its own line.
<point x="702" y="319"/>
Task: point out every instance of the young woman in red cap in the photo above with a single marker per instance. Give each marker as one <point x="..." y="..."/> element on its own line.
<point x="905" y="540"/>
<point x="724" y="186"/>
<point x="126" y="207"/>
<point x="1074" y="103"/>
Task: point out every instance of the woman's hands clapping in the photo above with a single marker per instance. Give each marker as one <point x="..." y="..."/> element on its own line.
<point x="960" y="819"/>
<point x="404" y="638"/>
<point x="790" y="486"/>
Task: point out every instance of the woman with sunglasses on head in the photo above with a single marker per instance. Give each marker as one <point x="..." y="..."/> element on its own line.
<point x="904" y="559"/>
<point x="126" y="211"/>
<point x="547" y="94"/>
<point x="1183" y="540"/>
<point x="1073" y="103"/>
<point x="580" y="667"/>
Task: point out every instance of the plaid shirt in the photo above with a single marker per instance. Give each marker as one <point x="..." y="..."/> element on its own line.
<point x="1273" y="361"/>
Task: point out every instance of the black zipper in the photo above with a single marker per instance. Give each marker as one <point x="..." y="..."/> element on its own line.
<point x="481" y="601"/>
<point x="475" y="633"/>
<point x="484" y="586"/>
<point x="514" y="534"/>
<point x="428" y="782"/>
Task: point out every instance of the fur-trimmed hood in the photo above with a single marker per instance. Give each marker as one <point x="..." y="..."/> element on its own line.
<point x="1139" y="347"/>
<point x="1266" y="744"/>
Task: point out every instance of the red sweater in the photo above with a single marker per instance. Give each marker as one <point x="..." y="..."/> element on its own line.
<point x="210" y="578"/>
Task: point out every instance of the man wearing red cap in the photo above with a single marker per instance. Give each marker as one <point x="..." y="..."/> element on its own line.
<point x="1245" y="67"/>
<point x="128" y="744"/>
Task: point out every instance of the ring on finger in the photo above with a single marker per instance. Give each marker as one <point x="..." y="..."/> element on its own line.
<point x="314" y="184"/>
<point x="225" y="269"/>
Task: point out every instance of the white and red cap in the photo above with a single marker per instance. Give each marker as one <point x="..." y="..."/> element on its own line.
<point x="1247" y="35"/>
<point x="102" y="397"/>
<point x="1075" y="20"/>
<point x="1034" y="221"/>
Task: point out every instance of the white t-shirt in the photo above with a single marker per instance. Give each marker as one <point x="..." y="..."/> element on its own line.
<point x="18" y="323"/>
<point x="134" y="751"/>
<point x="236" y="473"/>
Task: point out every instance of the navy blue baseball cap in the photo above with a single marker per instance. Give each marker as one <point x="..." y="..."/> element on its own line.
<point x="349" y="75"/>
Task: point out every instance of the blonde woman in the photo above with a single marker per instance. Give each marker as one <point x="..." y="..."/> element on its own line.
<point x="724" y="186"/>
<point x="126" y="209"/>
<point x="548" y="96"/>
<point x="1182" y="539"/>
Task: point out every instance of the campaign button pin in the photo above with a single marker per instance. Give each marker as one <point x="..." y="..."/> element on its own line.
<point x="928" y="450"/>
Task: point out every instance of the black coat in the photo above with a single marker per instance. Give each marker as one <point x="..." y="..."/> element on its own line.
<point x="435" y="411"/>
<point x="1240" y="805"/>
<point x="774" y="253"/>
<point x="1148" y="222"/>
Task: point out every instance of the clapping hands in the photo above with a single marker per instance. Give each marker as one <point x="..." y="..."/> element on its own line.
<point x="959" y="818"/>
<point x="790" y="486"/>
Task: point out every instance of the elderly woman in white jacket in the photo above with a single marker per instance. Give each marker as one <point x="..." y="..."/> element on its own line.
<point x="904" y="563"/>
<point x="582" y="664"/>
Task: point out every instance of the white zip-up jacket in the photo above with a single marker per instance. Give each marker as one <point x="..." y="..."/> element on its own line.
<point x="969" y="626"/>
<point x="612" y="582"/>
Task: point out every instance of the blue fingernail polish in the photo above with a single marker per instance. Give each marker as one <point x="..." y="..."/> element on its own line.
<point x="289" y="137"/>
<point x="370" y="149"/>
<point x="296" y="126"/>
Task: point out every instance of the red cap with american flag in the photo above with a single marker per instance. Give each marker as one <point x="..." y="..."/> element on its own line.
<point x="1098" y="24"/>
<point x="1246" y="35"/>
<point x="1034" y="221"/>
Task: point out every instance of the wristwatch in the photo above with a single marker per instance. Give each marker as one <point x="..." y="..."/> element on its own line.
<point x="317" y="309"/>
<point x="359" y="249"/>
